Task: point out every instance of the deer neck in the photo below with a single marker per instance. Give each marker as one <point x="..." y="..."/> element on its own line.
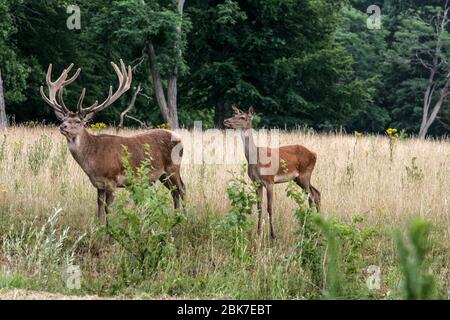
<point x="80" y="145"/>
<point x="250" y="148"/>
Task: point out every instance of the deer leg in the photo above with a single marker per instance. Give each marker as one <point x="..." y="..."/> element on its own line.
<point x="101" y="202"/>
<point x="269" y="189"/>
<point x="304" y="183"/>
<point x="179" y="186"/>
<point x="109" y="200"/>
<point x="316" y="196"/>
<point x="167" y="182"/>
<point x="259" y="194"/>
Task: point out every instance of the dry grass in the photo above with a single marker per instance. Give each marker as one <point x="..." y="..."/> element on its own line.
<point x="354" y="175"/>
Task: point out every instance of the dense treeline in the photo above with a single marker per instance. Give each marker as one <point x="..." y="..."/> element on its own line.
<point x="299" y="62"/>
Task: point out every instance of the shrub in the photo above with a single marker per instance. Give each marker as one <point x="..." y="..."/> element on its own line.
<point x="38" y="250"/>
<point x="59" y="160"/>
<point x="142" y="222"/>
<point x="330" y="251"/>
<point x="235" y="227"/>
<point x="39" y="152"/>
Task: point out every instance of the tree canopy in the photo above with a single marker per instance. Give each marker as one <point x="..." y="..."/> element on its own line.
<point x="311" y="63"/>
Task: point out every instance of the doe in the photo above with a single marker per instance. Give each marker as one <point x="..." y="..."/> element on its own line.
<point x="292" y="162"/>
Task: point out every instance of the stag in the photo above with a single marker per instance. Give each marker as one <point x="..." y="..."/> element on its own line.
<point x="270" y="166"/>
<point x="100" y="156"/>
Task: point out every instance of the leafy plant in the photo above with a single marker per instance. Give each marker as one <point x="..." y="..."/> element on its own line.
<point x="329" y="250"/>
<point x="59" y="160"/>
<point x="236" y="226"/>
<point x="142" y="222"/>
<point x="414" y="172"/>
<point x="38" y="153"/>
<point x="413" y="248"/>
<point x="40" y="250"/>
<point x="310" y="244"/>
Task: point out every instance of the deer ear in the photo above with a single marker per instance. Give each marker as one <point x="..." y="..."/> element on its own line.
<point x="251" y="111"/>
<point x="88" y="118"/>
<point x="236" y="110"/>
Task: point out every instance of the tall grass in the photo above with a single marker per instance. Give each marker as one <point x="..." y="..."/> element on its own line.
<point x="365" y="184"/>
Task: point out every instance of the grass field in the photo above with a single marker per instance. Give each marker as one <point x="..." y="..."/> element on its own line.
<point x="385" y="182"/>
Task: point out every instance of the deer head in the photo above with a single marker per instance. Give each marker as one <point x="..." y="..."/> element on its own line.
<point x="240" y="119"/>
<point x="73" y="122"/>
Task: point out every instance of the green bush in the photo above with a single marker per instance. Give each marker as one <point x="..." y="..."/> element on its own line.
<point x="331" y="252"/>
<point x="39" y="152"/>
<point x="39" y="250"/>
<point x="142" y="223"/>
<point x="59" y="160"/>
<point x="235" y="228"/>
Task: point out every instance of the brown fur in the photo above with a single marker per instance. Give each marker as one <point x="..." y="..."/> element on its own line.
<point x="101" y="156"/>
<point x="295" y="162"/>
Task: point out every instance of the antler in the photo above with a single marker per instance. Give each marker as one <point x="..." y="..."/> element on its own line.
<point x="58" y="85"/>
<point x="124" y="76"/>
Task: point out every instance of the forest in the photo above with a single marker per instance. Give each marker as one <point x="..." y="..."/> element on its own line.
<point x="326" y="65"/>
<point x="129" y="198"/>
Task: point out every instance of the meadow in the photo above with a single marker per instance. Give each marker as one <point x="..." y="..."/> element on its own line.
<point x="372" y="184"/>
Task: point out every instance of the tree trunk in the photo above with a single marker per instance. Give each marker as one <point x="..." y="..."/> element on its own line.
<point x="157" y="83"/>
<point x="219" y="113"/>
<point x="167" y="105"/>
<point x="172" y="100"/>
<point x="3" y="120"/>
<point x="428" y="118"/>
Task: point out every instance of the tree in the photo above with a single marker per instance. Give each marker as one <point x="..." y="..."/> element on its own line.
<point x="158" y="29"/>
<point x="423" y="41"/>
<point x="439" y="65"/>
<point x="367" y="48"/>
<point x="275" y="56"/>
<point x="12" y="67"/>
<point x="167" y="103"/>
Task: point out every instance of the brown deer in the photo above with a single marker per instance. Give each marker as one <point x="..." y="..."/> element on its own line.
<point x="100" y="156"/>
<point x="285" y="163"/>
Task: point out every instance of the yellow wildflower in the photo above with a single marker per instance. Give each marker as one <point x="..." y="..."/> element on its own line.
<point x="163" y="126"/>
<point x="98" y="126"/>
<point x="392" y="132"/>
<point x="358" y="134"/>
